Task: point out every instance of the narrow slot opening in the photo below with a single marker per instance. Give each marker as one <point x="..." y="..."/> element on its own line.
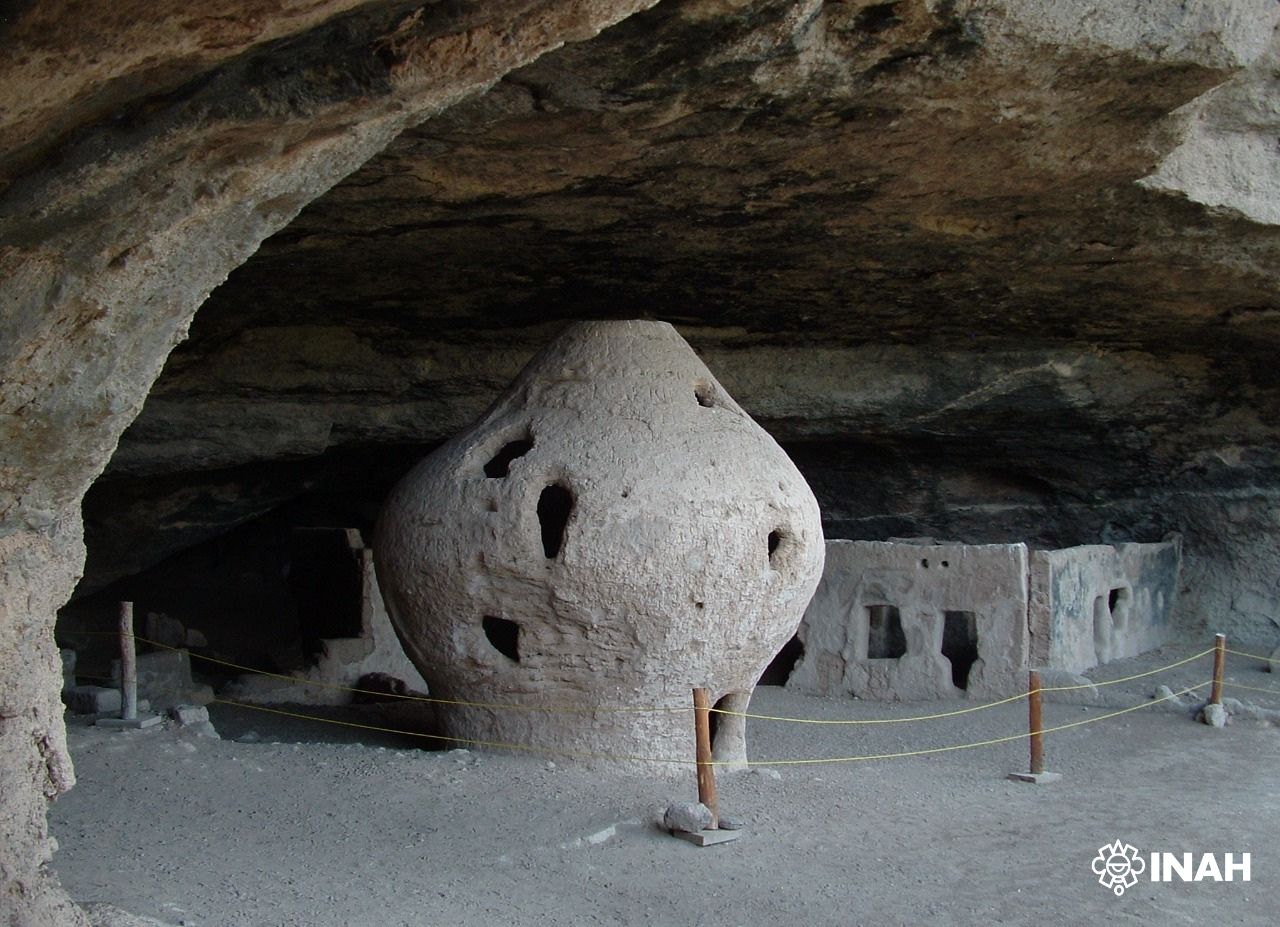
<point x="960" y="644"/>
<point x="555" y="505"/>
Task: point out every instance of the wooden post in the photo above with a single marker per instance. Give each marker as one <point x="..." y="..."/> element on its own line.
<point x="1035" y="723"/>
<point x="128" y="665"/>
<point x="1219" y="666"/>
<point x="706" y="771"/>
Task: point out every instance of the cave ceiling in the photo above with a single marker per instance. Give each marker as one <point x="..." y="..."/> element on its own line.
<point x="915" y="246"/>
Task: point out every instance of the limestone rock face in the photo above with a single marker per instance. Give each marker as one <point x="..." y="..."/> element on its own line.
<point x="613" y="532"/>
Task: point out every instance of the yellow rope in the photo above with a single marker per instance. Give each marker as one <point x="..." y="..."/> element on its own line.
<point x="577" y="709"/>
<point x="1241" y="653"/>
<point x="1112" y="682"/>
<point x="686" y="762"/>
<point x="524" y="748"/>
<point x="1236" y="685"/>
<point x="551" y="709"/>
<point x="960" y="711"/>
<point x="982" y="743"/>
<point x="941" y="714"/>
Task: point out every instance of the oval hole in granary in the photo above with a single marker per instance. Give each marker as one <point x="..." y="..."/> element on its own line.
<point x="504" y="635"/>
<point x="776" y="538"/>
<point x="554" y="507"/>
<point x="500" y="463"/>
<point x="705" y="394"/>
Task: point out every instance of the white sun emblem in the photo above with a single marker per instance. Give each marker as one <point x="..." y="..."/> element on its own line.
<point x="1118" y="866"/>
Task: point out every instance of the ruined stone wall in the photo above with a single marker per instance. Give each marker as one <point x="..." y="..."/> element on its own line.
<point x="888" y="621"/>
<point x="1097" y="603"/>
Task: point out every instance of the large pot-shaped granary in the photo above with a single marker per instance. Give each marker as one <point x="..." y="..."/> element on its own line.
<point x="613" y="532"/>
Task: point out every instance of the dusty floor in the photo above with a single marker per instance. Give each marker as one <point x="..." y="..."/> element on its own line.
<point x="306" y="827"/>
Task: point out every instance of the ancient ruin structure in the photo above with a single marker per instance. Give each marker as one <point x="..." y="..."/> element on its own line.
<point x="615" y="531"/>
<point x="342" y="661"/>
<point x="919" y="620"/>
<point x="1099" y="602"/>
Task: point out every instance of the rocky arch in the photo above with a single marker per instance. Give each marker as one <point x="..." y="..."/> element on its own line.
<point x="116" y="228"/>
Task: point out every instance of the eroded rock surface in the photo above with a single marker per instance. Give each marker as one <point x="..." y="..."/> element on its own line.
<point x="613" y="533"/>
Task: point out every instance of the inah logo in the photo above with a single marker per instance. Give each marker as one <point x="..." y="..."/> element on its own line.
<point x="1118" y="866"/>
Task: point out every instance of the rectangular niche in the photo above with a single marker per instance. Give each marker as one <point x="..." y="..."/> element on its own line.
<point x="885" y="640"/>
<point x="960" y="644"/>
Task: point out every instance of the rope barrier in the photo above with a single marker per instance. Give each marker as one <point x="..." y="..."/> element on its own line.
<point x="543" y="751"/>
<point x="962" y="711"/>
<point x="493" y="706"/>
<point x="577" y="709"/>
<point x="1236" y="685"/>
<point x="496" y="745"/>
<point x="1256" y="656"/>
<point x="982" y="743"/>
<point x="1112" y="682"/>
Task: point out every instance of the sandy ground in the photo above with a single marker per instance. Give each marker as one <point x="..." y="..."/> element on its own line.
<point x="309" y="827"/>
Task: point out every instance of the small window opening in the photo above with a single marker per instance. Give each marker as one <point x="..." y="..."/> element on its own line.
<point x="960" y="644"/>
<point x="554" y="508"/>
<point x="504" y="635"/>
<point x="780" y="668"/>
<point x="775" y="538"/>
<point x="925" y="563"/>
<point x="706" y="396"/>
<point x="498" y="467"/>
<point x="885" y="640"/>
<point x="1118" y="603"/>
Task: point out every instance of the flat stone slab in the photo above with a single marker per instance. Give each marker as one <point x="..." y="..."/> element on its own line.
<point x="129" y="724"/>
<point x="707" y="838"/>
<point x="1043" y="778"/>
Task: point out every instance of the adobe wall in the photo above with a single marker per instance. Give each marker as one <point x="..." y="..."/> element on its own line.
<point x="924" y="582"/>
<point x="1097" y="603"/>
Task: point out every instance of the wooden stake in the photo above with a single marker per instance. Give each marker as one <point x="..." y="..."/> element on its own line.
<point x="1035" y="723"/>
<point x="1219" y="666"/>
<point x="706" y="771"/>
<point x="128" y="665"/>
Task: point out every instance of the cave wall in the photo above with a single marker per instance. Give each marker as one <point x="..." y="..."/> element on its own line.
<point x="119" y="218"/>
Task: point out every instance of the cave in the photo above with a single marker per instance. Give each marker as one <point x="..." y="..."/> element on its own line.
<point x="986" y="272"/>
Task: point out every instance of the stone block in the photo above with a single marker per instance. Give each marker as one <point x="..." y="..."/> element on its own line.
<point x="687" y="816"/>
<point x="91" y="700"/>
<point x="189" y="714"/>
<point x="164" y="678"/>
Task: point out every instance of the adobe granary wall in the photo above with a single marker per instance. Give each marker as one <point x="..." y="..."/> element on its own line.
<point x="1098" y="603"/>
<point x="614" y="532"/>
<point x="907" y="620"/>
